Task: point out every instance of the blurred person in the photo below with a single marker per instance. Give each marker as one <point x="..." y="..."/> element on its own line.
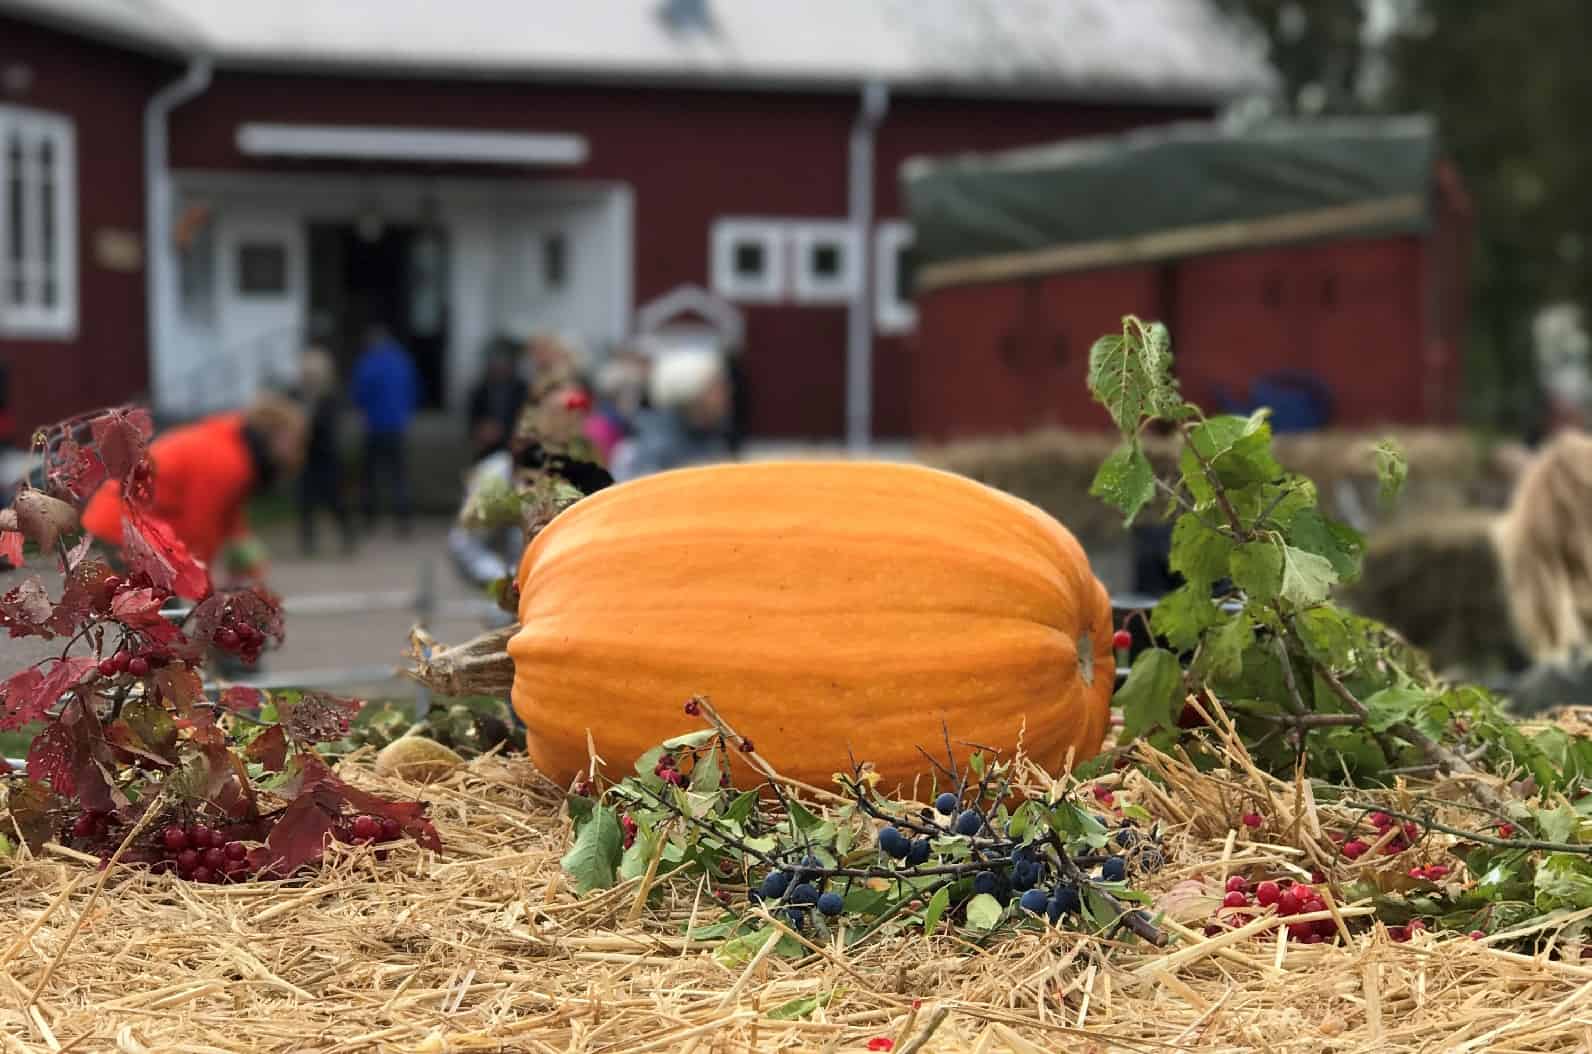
<point x="387" y="391"/>
<point x="204" y="475"/>
<point x="495" y="404"/>
<point x="621" y="387"/>
<point x="689" y="419"/>
<point x="321" y="481"/>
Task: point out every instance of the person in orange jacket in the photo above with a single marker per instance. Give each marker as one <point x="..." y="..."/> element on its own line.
<point x="205" y="473"/>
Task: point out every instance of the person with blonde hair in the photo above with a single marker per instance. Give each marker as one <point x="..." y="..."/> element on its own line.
<point x="204" y="475"/>
<point x="321" y="482"/>
<point x="687" y="423"/>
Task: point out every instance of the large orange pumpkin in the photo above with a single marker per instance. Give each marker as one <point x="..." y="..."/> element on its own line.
<point x="826" y="609"/>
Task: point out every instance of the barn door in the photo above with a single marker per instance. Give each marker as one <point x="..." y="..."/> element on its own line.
<point x="262" y="297"/>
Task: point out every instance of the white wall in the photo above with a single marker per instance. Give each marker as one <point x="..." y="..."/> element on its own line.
<point x="494" y="229"/>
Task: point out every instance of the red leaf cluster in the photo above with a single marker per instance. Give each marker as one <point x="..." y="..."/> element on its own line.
<point x="73" y="756"/>
<point x="25" y="610"/>
<point x="120" y="438"/>
<point x="153" y="549"/>
<point x="29" y="694"/>
<point x="319" y="799"/>
<point x="317" y="717"/>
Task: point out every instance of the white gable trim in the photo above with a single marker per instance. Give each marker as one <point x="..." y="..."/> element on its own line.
<point x="396" y="143"/>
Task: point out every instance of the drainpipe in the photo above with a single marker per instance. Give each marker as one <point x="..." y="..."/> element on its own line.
<point x="160" y="285"/>
<point x="859" y="319"/>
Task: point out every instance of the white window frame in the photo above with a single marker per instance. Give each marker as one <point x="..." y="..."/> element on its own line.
<point x="891" y="315"/>
<point x="731" y="232"/>
<point x="813" y="288"/>
<point x="57" y="321"/>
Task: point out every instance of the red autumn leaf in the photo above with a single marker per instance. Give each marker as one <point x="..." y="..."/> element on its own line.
<point x="227" y="785"/>
<point x="411" y="815"/>
<point x="136" y="608"/>
<point x="30" y="693"/>
<point x="29" y="808"/>
<point x="74" y="555"/>
<point x="50" y="759"/>
<point x="120" y="436"/>
<point x="85" y="594"/>
<point x="72" y="756"/>
<point x="269" y="748"/>
<point x="298" y="838"/>
<point x="43" y="518"/>
<point x="152" y="548"/>
<point x="239" y="698"/>
<point x="74" y="470"/>
<point x="26" y="609"/>
<point x="11" y="547"/>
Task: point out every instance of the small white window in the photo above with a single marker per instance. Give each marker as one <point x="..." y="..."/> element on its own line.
<point x="38" y="225"/>
<point x="894" y="268"/>
<point x="827" y="262"/>
<point x="749" y="259"/>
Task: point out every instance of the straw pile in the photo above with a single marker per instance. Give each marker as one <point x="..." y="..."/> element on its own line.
<point x="1053" y="468"/>
<point x="485" y="949"/>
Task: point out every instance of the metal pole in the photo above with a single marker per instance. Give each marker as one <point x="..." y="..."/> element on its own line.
<point x="859" y="328"/>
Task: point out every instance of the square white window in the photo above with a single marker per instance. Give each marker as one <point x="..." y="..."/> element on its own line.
<point x="895" y="267"/>
<point x="828" y="263"/>
<point x="38" y="225"/>
<point x="748" y="259"/>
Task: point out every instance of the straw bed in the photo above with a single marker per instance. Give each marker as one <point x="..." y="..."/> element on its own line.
<point x="485" y="948"/>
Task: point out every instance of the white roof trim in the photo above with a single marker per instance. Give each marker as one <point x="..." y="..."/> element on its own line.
<point x="396" y="143"/>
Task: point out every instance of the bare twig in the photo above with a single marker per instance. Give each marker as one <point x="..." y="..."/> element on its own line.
<point x="1476" y="836"/>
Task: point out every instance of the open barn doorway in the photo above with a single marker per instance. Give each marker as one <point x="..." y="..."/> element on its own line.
<point x="390" y="274"/>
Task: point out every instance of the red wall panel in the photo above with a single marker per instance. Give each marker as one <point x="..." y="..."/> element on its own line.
<point x="103" y="91"/>
<point x="691" y="156"/>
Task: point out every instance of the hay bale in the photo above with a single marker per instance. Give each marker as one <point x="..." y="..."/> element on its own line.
<point x="1439" y="583"/>
<point x="1449" y="470"/>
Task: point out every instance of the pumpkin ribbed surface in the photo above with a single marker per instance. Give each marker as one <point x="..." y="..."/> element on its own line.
<point x="823" y="608"/>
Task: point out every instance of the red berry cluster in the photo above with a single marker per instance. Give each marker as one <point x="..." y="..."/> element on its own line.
<point x="693" y="707"/>
<point x="1430" y="873"/>
<point x="239" y="637"/>
<point x="1404" y="933"/>
<point x="1287" y="896"/>
<point x="668" y="770"/>
<point x="91" y="823"/>
<point x="627" y="824"/>
<point x="1354" y="848"/>
<point x="201" y="853"/>
<point x="137" y="664"/>
<point x="1103" y="795"/>
<point x="365" y="829"/>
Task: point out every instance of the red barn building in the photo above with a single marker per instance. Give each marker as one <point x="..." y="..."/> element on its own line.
<point x="194" y="189"/>
<point x="1331" y="255"/>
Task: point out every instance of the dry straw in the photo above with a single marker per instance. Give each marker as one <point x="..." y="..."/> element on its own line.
<point x="486" y="949"/>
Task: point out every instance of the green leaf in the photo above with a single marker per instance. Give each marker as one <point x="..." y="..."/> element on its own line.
<point x="1563" y="880"/>
<point x="738" y="951"/>
<point x="706" y="773"/>
<point x="802" y="817"/>
<point x="1183" y="615"/>
<point x="741" y="808"/>
<point x="1257" y="569"/>
<point x="1238" y="451"/>
<point x="1224" y="650"/>
<point x="1096" y="908"/>
<point x="1306" y="578"/>
<point x="1340" y="544"/>
<point x="594" y="856"/>
<point x="937" y="905"/>
<point x="1126" y="481"/>
<point x="1326" y="634"/>
<point x="1199" y="552"/>
<point x="1152" y="696"/>
<point x="800" y="1008"/>
<point x="983" y="912"/>
<point x="1392" y="706"/>
<point x="1131" y="375"/>
<point x="1391" y="471"/>
<point x="633" y="864"/>
<point x="1559" y="825"/>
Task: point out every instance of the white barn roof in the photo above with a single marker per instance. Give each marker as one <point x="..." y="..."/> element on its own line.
<point x="1163" y="50"/>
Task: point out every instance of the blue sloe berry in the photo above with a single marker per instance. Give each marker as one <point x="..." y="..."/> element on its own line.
<point x="1114" y="869"/>
<point x="1033" y="900"/>
<point x="918" y="852"/>
<point x="1127" y="838"/>
<point x="968" y="822"/>
<point x="805" y="893"/>
<point x="1066" y="899"/>
<point x="1053" y="910"/>
<point x="831" y="903"/>
<point x="798" y="917"/>
<point x="894" y="843"/>
<point x="1025" y="874"/>
<point x="775" y="884"/>
<point x="984" y="882"/>
<point x="945" y="803"/>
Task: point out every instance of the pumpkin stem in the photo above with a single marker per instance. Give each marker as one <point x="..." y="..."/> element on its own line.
<point x="479" y="666"/>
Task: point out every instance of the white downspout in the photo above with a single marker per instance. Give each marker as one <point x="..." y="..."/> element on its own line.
<point x="160" y="286"/>
<point x="859" y="319"/>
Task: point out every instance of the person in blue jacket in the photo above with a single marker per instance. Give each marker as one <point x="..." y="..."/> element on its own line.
<point x="387" y="391"/>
